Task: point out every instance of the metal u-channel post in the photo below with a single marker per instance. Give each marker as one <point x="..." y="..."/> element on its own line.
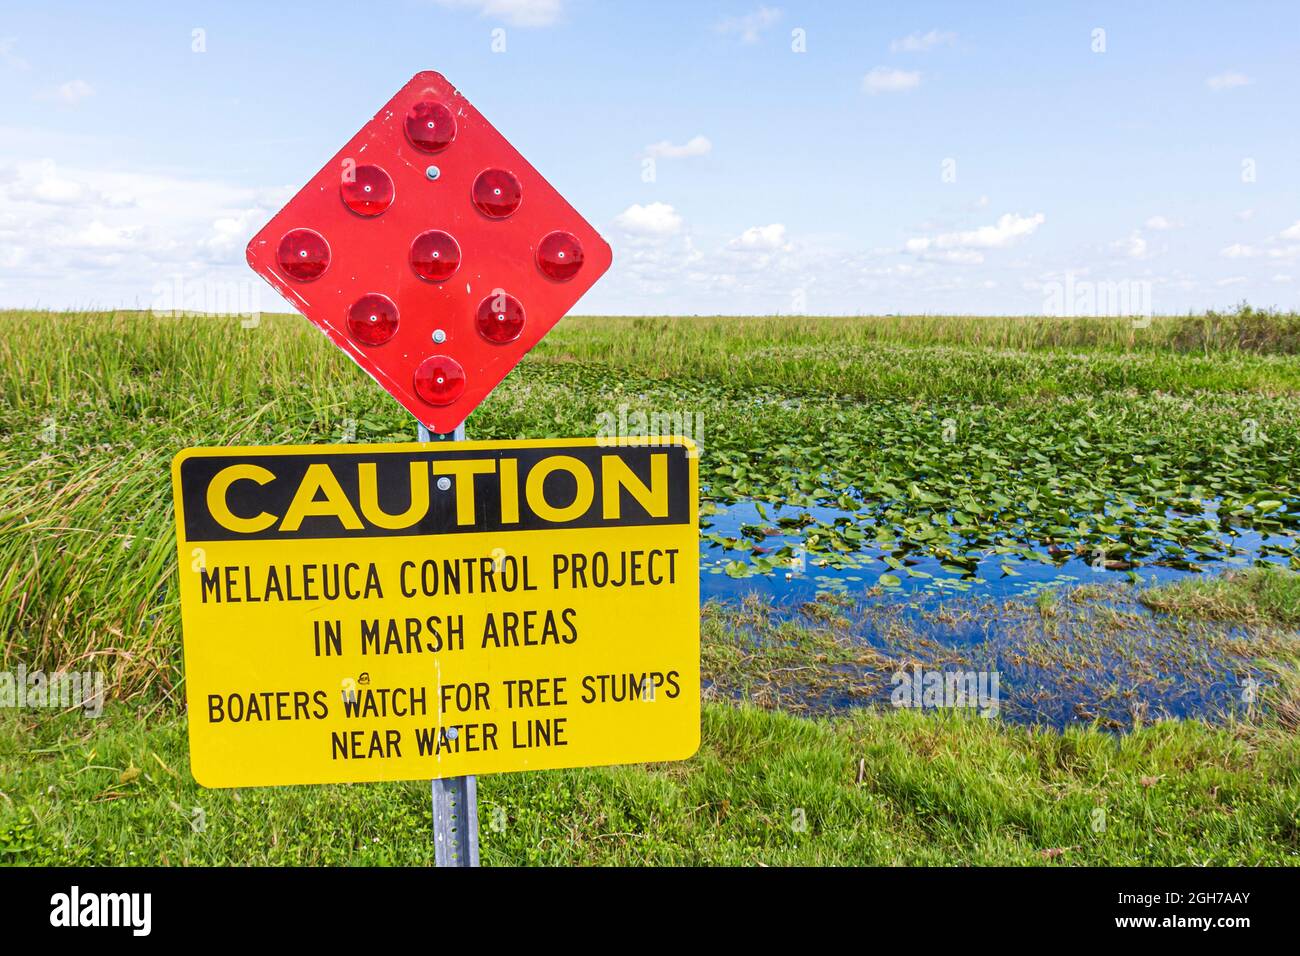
<point x="455" y="799"/>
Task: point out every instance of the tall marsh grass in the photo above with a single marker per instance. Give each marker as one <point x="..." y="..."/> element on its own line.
<point x="94" y="405"/>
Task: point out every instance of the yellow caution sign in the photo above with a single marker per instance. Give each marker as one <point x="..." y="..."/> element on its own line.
<point x="392" y="612"/>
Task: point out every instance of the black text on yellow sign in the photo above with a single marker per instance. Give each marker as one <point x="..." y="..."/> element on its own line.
<point x="388" y="612"/>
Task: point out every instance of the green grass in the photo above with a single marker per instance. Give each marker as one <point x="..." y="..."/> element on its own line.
<point x="933" y="358"/>
<point x="875" y="788"/>
<point x="953" y="449"/>
<point x="941" y="435"/>
<point x="1241" y="330"/>
<point x="1256" y="596"/>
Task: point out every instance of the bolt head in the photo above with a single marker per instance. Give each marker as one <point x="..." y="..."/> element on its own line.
<point x="433" y="172"/>
<point x="439" y="336"/>
<point x="444" y="483"/>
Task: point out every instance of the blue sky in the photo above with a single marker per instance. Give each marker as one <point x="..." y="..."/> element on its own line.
<point x="912" y="158"/>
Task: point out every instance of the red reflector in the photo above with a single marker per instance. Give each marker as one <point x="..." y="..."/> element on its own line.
<point x="497" y="193"/>
<point x="439" y="380"/>
<point x="369" y="192"/>
<point x="430" y="126"/>
<point x="304" y="254"/>
<point x="435" y="255"/>
<point x="372" y="320"/>
<point x="500" y="318"/>
<point x="559" y="256"/>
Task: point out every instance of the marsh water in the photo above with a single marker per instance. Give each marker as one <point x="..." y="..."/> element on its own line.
<point x="1088" y="652"/>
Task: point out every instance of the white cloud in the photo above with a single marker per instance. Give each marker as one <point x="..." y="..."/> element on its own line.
<point x="125" y="233"/>
<point x="230" y="234"/>
<point x="71" y="93"/>
<point x="922" y="42"/>
<point x="1272" y="250"/>
<point x="1229" y="80"/>
<point x="1231" y="280"/>
<point x="655" y="265"/>
<point x="653" y="219"/>
<point x="768" y="238"/>
<point x="664" y="149"/>
<point x="1238" y="251"/>
<point x="751" y="26"/>
<point x="1161" y="224"/>
<point x="1135" y="247"/>
<point x="883" y="79"/>
<point x="961" y="257"/>
<point x="1291" y="232"/>
<point x="44" y="183"/>
<point x="963" y="247"/>
<point x="98" y="236"/>
<point x="1246" y="215"/>
<point x="515" y="13"/>
<point x="7" y="55"/>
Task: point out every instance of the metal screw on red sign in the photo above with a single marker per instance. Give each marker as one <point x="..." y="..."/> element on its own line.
<point x="387" y="245"/>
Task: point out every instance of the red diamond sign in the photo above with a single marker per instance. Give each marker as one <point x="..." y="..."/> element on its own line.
<point x="431" y="252"/>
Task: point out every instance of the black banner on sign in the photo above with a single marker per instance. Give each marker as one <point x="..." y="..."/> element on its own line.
<point x="381" y="491"/>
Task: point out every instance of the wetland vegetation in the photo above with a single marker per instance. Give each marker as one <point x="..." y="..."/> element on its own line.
<point x="1104" y="511"/>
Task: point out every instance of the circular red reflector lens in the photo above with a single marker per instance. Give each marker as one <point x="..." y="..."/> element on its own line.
<point x="304" y="254"/>
<point x="559" y="256"/>
<point x="435" y="255"/>
<point x="500" y="318"/>
<point x="439" y="380"/>
<point x="430" y="126"/>
<point x="372" y="320"/>
<point x="368" y="191"/>
<point x="497" y="193"/>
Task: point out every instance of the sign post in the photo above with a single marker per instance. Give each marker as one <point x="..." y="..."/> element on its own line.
<point x="447" y="608"/>
<point x="454" y="799"/>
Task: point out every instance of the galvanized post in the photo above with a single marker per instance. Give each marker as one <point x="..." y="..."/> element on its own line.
<point x="455" y="799"/>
